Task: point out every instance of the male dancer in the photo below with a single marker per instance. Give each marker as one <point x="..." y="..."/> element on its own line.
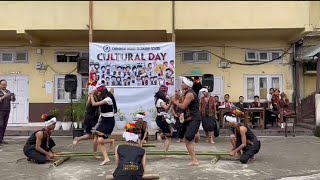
<point x="38" y="147"/>
<point x="192" y="117"/>
<point x="243" y="140"/>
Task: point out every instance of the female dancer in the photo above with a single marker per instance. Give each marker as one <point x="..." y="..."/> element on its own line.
<point x="106" y="122"/>
<point x="177" y="112"/>
<point x="130" y="157"/>
<point x="162" y="106"/>
<point x="91" y="119"/>
<point x="208" y="112"/>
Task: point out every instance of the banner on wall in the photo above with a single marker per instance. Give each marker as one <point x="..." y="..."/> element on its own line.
<point x="133" y="65"/>
<point x="135" y="71"/>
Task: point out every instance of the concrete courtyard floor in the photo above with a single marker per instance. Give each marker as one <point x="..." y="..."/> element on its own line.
<point x="279" y="158"/>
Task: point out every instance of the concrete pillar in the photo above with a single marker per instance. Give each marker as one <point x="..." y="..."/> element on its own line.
<point x="317" y="113"/>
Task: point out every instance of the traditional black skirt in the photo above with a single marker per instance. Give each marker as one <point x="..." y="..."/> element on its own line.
<point x="208" y="123"/>
<point x="90" y="122"/>
<point x="105" y="126"/>
<point x="164" y="126"/>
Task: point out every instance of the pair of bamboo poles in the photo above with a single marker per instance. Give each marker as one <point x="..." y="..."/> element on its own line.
<point x="67" y="155"/>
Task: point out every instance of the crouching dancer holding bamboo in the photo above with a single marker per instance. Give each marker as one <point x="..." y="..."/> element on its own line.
<point x="130" y="157"/>
<point x="243" y="140"/>
<point x="38" y="147"/>
<point x="191" y="119"/>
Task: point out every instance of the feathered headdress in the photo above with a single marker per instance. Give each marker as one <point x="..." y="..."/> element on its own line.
<point x="49" y="120"/>
<point x="131" y="133"/>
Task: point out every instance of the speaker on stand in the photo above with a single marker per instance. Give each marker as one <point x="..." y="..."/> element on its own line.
<point x="208" y="81"/>
<point x="70" y="86"/>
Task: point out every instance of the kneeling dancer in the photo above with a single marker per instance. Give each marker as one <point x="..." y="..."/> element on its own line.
<point x="192" y="117"/>
<point x="130" y="157"/>
<point x="38" y="147"/>
<point x="142" y="127"/>
<point x="243" y="140"/>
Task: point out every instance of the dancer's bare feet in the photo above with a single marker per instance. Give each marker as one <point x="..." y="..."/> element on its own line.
<point x="212" y="142"/>
<point x="106" y="161"/>
<point x="112" y="144"/>
<point x="97" y="156"/>
<point x="193" y="163"/>
<point x="75" y="141"/>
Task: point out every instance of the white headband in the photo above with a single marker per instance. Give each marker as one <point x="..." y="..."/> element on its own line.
<point x="138" y="116"/>
<point x="204" y="90"/>
<point x="186" y="81"/>
<point x="50" y="122"/>
<point x="130" y="136"/>
<point x="230" y="119"/>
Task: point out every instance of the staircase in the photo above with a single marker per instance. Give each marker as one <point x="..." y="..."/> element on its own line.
<point x="308" y="107"/>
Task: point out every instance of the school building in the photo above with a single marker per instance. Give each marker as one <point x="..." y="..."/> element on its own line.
<point x="41" y="41"/>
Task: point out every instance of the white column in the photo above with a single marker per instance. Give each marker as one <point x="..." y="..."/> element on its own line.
<point x="317" y="102"/>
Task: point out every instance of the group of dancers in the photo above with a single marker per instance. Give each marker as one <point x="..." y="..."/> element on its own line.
<point x="100" y="122"/>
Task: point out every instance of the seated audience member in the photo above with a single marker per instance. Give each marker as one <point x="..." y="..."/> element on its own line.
<point x="130" y="157"/>
<point x="241" y="105"/>
<point x="38" y="147"/>
<point x="256" y="104"/>
<point x="244" y="143"/>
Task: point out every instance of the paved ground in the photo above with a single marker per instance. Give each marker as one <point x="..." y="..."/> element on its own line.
<point x="280" y="158"/>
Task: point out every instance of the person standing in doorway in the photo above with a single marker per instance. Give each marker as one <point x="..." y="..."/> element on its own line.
<point x="5" y="105"/>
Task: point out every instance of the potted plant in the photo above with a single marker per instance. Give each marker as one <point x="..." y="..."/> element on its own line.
<point x="153" y="116"/>
<point x="121" y="120"/>
<point x="67" y="121"/>
<point x="79" y="112"/>
<point x="56" y="112"/>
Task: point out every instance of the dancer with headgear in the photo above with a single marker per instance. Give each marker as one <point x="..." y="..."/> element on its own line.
<point x="142" y="127"/>
<point x="38" y="147"/>
<point x="208" y="114"/>
<point x="191" y="118"/>
<point x="130" y="157"/>
<point x="162" y="105"/>
<point x="91" y="119"/>
<point x="106" y="122"/>
<point x="244" y="142"/>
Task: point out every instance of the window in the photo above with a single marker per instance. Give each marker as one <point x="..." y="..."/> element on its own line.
<point x="310" y="66"/>
<point x="61" y="96"/>
<point x="260" y="85"/>
<point x="13" y="57"/>
<point x="7" y="57"/>
<point x="63" y="57"/>
<point x="256" y="56"/>
<point x="200" y="57"/>
<point x="21" y="57"/>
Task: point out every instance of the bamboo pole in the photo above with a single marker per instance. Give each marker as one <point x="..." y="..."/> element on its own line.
<point x="178" y="153"/>
<point x="60" y="161"/>
<point x="145" y="176"/>
<point x="148" y="145"/>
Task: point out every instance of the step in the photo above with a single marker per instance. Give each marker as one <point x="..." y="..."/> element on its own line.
<point x="306" y="125"/>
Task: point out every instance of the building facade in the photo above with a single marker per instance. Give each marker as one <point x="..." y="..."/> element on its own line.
<point x="226" y="39"/>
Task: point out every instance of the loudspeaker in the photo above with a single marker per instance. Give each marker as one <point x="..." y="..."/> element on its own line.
<point x="208" y="81"/>
<point x="70" y="83"/>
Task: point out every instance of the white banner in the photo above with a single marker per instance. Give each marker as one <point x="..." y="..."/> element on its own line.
<point x="133" y="65"/>
<point x="136" y="72"/>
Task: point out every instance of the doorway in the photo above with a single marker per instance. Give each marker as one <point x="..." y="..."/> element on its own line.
<point x="19" y="85"/>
